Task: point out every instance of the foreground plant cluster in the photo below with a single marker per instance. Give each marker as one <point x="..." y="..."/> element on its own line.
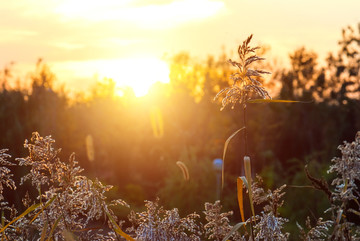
<point x="70" y="206"/>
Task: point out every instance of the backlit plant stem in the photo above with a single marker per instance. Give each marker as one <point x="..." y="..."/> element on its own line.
<point x="245" y="132"/>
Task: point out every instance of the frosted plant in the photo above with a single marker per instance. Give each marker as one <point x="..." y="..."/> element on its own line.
<point x="347" y="169"/>
<point x="6" y="180"/>
<point x="272" y="199"/>
<point x="42" y="159"/>
<point x="269" y="225"/>
<point x="68" y="200"/>
<point x="319" y="232"/>
<point x="245" y="82"/>
<point x="218" y="224"/>
<point x="346" y="191"/>
<point x="5" y="173"/>
<point x="158" y="224"/>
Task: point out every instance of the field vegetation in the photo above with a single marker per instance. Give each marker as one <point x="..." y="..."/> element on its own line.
<point x="141" y="168"/>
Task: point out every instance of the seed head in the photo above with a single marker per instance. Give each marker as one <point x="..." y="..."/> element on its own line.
<point x="246" y="82"/>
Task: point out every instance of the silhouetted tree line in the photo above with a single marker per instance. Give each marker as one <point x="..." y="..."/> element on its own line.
<point x="137" y="141"/>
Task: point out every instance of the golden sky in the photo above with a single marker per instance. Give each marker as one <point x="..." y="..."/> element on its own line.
<point x="82" y="39"/>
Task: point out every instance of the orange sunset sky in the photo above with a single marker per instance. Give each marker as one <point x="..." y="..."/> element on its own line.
<point x="87" y="40"/>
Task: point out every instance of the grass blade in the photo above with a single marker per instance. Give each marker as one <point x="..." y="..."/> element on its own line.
<point x="43" y="208"/>
<point x="233" y="230"/>
<point x="357" y="202"/>
<point x="339" y="215"/>
<point x="117" y="229"/>
<point x="53" y="227"/>
<point x="224" y="153"/>
<point x="30" y="209"/>
<point x="240" y="197"/>
<point x="184" y="170"/>
<point x="43" y="232"/>
<point x="247" y="166"/>
<point x="354" y="212"/>
<point x="256" y="101"/>
<point x="2" y="218"/>
<point x="243" y="179"/>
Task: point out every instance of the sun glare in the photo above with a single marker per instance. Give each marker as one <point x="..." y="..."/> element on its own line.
<point x="138" y="73"/>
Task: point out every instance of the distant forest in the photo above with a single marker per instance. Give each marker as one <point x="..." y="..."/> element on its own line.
<point x="136" y="142"/>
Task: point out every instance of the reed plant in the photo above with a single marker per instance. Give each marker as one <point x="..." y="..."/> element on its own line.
<point x="247" y="88"/>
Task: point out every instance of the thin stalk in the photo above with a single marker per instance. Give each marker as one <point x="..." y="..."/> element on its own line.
<point x="245" y="131"/>
<point x="248" y="174"/>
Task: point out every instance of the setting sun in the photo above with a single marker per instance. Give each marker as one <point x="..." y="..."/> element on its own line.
<point x="138" y="73"/>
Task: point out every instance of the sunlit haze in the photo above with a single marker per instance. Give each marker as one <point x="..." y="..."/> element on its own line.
<point x="84" y="41"/>
<point x="137" y="73"/>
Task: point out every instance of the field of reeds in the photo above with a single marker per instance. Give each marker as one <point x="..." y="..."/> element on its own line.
<point x="45" y="194"/>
